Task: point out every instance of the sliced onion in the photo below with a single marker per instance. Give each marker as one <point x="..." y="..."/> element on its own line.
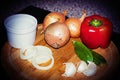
<point x="36" y="65"/>
<point x="41" y="59"/>
<point x="70" y="70"/>
<point x="27" y="53"/>
<point x="38" y="55"/>
<point x="43" y="50"/>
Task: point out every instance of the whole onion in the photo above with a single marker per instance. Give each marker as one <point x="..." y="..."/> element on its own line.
<point x="74" y="25"/>
<point x="57" y="34"/>
<point x="53" y="17"/>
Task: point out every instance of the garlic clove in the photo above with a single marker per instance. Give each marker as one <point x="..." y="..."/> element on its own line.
<point x="87" y="70"/>
<point x="70" y="70"/>
<point x="82" y="66"/>
<point x="91" y="69"/>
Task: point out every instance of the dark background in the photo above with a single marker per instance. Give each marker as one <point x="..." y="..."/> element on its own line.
<point x="108" y="8"/>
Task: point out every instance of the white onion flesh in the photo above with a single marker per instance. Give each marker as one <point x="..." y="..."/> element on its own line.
<point x="35" y="64"/>
<point x="38" y="55"/>
<point x="39" y="59"/>
<point x="43" y="50"/>
<point x="27" y="52"/>
<point x="87" y="70"/>
<point x="70" y="70"/>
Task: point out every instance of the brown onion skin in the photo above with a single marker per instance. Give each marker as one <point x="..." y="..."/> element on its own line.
<point x="53" y="17"/>
<point x="57" y="34"/>
<point x="74" y="25"/>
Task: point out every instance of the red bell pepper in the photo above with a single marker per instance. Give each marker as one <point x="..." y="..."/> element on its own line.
<point x="96" y="31"/>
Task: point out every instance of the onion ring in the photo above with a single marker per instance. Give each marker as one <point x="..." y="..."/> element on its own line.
<point x="27" y="53"/>
<point x="36" y="65"/>
<point x="37" y="55"/>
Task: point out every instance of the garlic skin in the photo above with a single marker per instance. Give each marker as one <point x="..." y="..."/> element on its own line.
<point x="70" y="70"/>
<point x="87" y="70"/>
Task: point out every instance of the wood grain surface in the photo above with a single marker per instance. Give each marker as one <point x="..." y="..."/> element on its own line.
<point x="19" y="69"/>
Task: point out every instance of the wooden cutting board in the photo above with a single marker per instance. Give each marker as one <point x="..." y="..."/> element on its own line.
<point x="19" y="69"/>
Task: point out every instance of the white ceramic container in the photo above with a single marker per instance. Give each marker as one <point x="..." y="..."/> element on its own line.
<point x="21" y="30"/>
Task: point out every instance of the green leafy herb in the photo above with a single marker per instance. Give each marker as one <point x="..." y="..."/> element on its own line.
<point x="97" y="58"/>
<point x="87" y="54"/>
<point x="82" y="51"/>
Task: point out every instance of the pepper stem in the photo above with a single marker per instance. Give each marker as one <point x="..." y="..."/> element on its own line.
<point x="95" y="23"/>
